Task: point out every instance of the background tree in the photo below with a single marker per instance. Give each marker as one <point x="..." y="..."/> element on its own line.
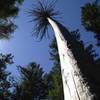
<point x="86" y="59"/>
<point x="5" y="84"/>
<point x="55" y="91"/>
<point x="32" y="83"/>
<point x="90" y="18"/>
<point x="44" y="15"/>
<point x="8" y="11"/>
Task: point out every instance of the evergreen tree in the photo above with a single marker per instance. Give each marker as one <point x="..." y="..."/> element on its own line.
<point x="5" y="84"/>
<point x="55" y="91"/>
<point x="8" y="11"/>
<point x="87" y="64"/>
<point x="9" y="8"/>
<point x="44" y="16"/>
<point x="90" y="18"/>
<point x="32" y="85"/>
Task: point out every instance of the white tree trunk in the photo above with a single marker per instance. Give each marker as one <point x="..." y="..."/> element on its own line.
<point x="73" y="86"/>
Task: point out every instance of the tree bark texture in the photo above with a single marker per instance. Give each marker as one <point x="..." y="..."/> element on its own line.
<point x="73" y="84"/>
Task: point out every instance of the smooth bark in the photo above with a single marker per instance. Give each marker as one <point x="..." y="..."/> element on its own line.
<point x="73" y="84"/>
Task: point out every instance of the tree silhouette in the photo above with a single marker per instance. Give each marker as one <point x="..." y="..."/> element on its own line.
<point x="5" y="84"/>
<point x="90" y="18"/>
<point x="8" y="11"/>
<point x="44" y="15"/>
<point x="89" y="67"/>
<point x="32" y="84"/>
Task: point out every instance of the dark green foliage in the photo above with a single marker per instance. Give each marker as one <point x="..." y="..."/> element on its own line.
<point x="9" y="8"/>
<point x="91" y="21"/>
<point x="32" y="83"/>
<point x="6" y="28"/>
<point x="90" y="18"/>
<point x="55" y="91"/>
<point x="54" y="56"/>
<point x="89" y="67"/>
<point x="40" y="12"/>
<point x="5" y="84"/>
<point x="8" y="11"/>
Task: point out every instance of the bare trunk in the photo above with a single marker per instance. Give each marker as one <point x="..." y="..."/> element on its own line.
<point x="73" y="86"/>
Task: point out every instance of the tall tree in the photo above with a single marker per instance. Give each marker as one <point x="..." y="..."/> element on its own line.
<point x="90" y="18"/>
<point x="73" y="85"/>
<point x="32" y="84"/>
<point x="88" y="65"/>
<point x="5" y="84"/>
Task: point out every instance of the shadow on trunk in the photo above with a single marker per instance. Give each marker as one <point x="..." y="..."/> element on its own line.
<point x="88" y="68"/>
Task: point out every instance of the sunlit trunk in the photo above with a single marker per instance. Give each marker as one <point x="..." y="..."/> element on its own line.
<point x="73" y="86"/>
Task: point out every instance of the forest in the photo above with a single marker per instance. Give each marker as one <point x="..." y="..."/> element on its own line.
<point x="75" y="70"/>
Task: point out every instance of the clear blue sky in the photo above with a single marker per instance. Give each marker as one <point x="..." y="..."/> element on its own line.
<point x="25" y="49"/>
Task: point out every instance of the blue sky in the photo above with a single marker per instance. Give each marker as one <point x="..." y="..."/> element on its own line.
<point x="26" y="49"/>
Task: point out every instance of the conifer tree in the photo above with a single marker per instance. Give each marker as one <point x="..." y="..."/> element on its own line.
<point x="8" y="11"/>
<point x="32" y="85"/>
<point x="5" y="84"/>
<point x="90" y="18"/>
<point x="73" y="84"/>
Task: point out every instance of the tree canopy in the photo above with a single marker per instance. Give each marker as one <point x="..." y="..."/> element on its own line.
<point x="8" y="11"/>
<point x="90" y="18"/>
<point x="5" y="84"/>
<point x="32" y="84"/>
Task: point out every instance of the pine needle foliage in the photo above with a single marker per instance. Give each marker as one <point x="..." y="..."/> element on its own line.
<point x="42" y="10"/>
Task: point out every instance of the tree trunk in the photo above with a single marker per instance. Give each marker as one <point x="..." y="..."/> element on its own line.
<point x="73" y="86"/>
